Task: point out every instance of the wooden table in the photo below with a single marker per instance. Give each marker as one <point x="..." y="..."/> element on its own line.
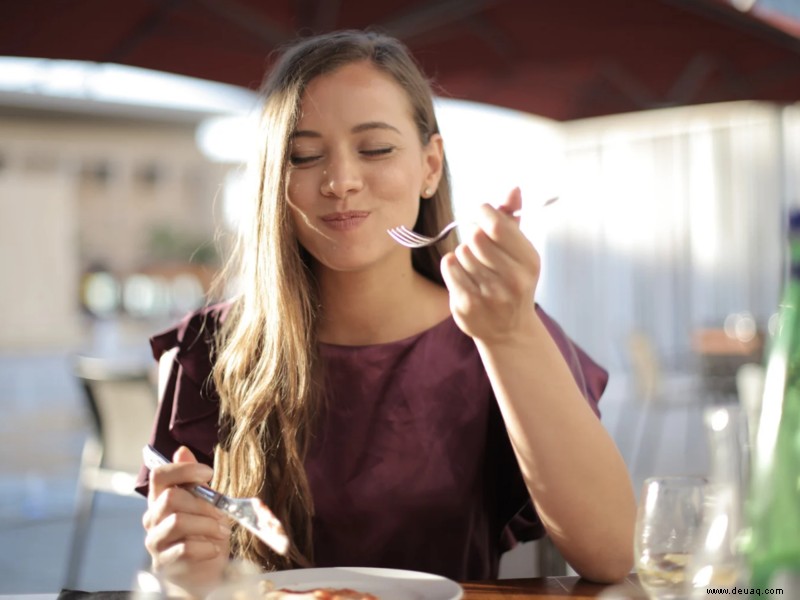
<point x="503" y="589"/>
<point x="552" y="587"/>
<point x="720" y="356"/>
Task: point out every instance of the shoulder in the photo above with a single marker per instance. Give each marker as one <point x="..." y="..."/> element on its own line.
<point x="191" y="342"/>
<point x="195" y="332"/>
<point x="589" y="375"/>
<point x="188" y="400"/>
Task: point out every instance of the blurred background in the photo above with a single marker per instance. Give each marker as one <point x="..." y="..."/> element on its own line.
<point x="669" y="129"/>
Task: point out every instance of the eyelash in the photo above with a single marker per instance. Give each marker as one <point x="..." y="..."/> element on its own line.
<point x="301" y="160"/>
<point x="379" y="151"/>
<point x="305" y="160"/>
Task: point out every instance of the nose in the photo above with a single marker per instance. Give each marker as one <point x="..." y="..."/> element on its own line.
<point x="341" y="178"/>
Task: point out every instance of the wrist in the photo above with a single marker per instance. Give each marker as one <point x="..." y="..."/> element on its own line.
<point x="524" y="333"/>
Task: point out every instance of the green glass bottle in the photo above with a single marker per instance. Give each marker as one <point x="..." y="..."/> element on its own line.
<point x="773" y="507"/>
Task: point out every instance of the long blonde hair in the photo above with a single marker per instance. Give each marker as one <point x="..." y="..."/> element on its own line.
<point x="267" y="370"/>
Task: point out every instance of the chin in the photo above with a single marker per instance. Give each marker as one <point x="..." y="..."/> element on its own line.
<point x="344" y="266"/>
<point x="331" y="260"/>
<point x="352" y="258"/>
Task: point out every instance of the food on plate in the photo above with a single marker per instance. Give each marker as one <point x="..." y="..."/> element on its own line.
<point x="314" y="594"/>
<point x="269" y="528"/>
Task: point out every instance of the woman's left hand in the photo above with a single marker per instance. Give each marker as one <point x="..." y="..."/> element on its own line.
<point x="492" y="275"/>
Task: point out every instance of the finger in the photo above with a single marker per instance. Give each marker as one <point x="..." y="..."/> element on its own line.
<point x="201" y="473"/>
<point x="178" y="527"/>
<point x="183" y="455"/>
<point x="505" y="232"/>
<point x="490" y="254"/>
<point x="180" y="473"/>
<point x="513" y="202"/>
<point x="455" y="278"/>
<point x="483" y="276"/>
<point x="192" y="551"/>
<point x="176" y="500"/>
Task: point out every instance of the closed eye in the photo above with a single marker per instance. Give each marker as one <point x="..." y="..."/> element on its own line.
<point x="378" y="151"/>
<point x="297" y="161"/>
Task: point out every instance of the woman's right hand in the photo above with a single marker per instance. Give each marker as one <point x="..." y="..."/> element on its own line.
<point x="187" y="538"/>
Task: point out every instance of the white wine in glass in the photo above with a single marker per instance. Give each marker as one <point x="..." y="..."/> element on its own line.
<point x="668" y="528"/>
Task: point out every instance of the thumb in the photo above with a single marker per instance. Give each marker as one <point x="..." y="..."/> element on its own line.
<point x="183" y="455"/>
<point x="513" y="202"/>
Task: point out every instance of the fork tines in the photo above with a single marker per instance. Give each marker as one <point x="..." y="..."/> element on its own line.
<point x="411" y="239"/>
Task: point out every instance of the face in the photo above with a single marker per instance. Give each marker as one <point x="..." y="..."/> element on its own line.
<point x="357" y="167"/>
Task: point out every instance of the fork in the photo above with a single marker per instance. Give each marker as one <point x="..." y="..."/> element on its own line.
<point x="411" y="239"/>
<point x="250" y="513"/>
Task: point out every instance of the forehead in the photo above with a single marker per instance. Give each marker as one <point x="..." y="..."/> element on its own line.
<point x="354" y="93"/>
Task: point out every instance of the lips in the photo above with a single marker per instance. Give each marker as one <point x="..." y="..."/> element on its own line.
<point x="344" y="221"/>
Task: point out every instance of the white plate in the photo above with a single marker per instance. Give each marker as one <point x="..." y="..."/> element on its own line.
<point x="387" y="584"/>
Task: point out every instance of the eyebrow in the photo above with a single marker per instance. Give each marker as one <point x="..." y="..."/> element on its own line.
<point x="360" y="128"/>
<point x="374" y="125"/>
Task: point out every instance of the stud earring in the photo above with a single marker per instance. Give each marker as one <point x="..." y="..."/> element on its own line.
<point x="427" y="193"/>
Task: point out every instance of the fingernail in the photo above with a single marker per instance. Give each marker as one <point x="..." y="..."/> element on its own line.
<point x="224" y="529"/>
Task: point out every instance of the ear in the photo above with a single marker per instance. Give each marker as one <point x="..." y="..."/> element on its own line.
<point x="432" y="164"/>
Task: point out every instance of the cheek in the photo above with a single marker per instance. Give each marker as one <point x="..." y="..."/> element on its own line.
<point x="303" y="229"/>
<point x="400" y="182"/>
<point x="298" y="189"/>
<point x="300" y="202"/>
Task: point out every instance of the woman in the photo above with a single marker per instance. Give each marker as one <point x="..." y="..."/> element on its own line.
<point x="394" y="408"/>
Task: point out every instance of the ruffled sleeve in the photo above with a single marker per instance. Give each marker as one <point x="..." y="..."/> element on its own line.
<point x="591" y="378"/>
<point x="515" y="507"/>
<point x="188" y="411"/>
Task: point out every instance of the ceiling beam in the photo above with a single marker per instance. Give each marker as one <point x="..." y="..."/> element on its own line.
<point x="494" y="38"/>
<point x="141" y="32"/>
<point x="728" y="15"/>
<point x="431" y="15"/>
<point x="247" y="19"/>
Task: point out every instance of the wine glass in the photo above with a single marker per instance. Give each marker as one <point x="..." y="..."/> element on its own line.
<point x="240" y="580"/>
<point x="147" y="585"/>
<point x="668" y="528"/>
<point x="719" y="561"/>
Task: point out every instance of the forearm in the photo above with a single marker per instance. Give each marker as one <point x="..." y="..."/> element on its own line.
<point x="574" y="473"/>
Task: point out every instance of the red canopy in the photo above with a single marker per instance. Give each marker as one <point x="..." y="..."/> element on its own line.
<point x="564" y="60"/>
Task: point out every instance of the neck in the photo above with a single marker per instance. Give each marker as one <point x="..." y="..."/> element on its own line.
<point x="378" y="305"/>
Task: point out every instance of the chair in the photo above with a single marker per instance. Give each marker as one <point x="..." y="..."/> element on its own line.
<point x="549" y="560"/>
<point x="538" y="558"/>
<point x="122" y="402"/>
<point x="656" y="392"/>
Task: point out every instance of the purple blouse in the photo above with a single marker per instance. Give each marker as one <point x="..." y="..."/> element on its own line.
<point x="410" y="466"/>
